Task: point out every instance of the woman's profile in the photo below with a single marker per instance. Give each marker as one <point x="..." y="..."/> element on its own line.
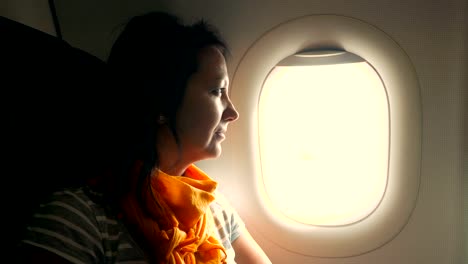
<point x="149" y="203"/>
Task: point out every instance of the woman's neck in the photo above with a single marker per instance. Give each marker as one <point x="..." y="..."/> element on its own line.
<point x="171" y="160"/>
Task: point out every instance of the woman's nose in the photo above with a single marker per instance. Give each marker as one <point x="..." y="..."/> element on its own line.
<point x="230" y="113"/>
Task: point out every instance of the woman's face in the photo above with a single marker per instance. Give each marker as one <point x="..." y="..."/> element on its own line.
<point x="206" y="109"/>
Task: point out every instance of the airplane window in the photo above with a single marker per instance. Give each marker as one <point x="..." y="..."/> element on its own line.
<point x="324" y="137"/>
<point x="330" y="136"/>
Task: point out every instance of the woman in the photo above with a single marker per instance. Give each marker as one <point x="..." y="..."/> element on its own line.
<point x="151" y="204"/>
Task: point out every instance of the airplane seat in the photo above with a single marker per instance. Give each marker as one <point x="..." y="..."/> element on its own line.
<point x="53" y="101"/>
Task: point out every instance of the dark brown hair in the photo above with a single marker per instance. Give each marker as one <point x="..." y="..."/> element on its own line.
<point x="152" y="60"/>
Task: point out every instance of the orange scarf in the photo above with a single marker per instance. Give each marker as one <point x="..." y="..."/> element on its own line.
<point x="180" y="227"/>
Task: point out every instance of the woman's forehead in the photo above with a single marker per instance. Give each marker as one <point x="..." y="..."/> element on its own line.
<point x="211" y="61"/>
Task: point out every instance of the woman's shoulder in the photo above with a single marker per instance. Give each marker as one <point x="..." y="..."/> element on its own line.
<point x="228" y="223"/>
<point x="75" y="224"/>
<point x="224" y="211"/>
<point x="81" y="198"/>
<point x="221" y="202"/>
<point x="74" y="208"/>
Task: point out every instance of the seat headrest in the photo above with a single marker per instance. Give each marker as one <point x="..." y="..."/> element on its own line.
<point x="53" y="100"/>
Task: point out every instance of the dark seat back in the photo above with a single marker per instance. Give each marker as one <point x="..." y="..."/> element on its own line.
<point x="53" y="101"/>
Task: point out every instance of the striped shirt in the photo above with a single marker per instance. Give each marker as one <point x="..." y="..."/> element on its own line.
<point x="76" y="226"/>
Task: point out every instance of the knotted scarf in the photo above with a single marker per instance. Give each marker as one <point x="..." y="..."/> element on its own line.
<point x="180" y="226"/>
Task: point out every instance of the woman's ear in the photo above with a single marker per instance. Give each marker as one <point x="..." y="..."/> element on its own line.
<point x="162" y="119"/>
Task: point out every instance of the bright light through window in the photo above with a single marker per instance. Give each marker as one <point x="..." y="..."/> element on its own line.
<point x="324" y="140"/>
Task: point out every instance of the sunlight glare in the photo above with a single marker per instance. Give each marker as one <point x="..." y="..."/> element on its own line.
<point x="324" y="140"/>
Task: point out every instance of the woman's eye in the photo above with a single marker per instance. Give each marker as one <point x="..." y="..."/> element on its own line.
<point x="218" y="91"/>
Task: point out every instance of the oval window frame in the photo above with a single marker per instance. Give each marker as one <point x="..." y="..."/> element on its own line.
<point x="400" y="79"/>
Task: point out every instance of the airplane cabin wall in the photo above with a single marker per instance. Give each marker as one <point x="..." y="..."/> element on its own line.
<point x="432" y="33"/>
<point x="34" y="13"/>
